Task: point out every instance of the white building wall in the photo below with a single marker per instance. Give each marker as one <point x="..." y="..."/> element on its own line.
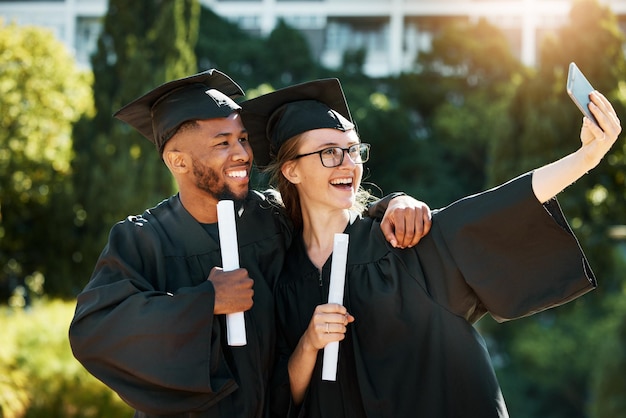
<point x="387" y="28"/>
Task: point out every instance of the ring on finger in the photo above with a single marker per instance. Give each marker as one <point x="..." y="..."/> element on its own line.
<point x="327" y="328"/>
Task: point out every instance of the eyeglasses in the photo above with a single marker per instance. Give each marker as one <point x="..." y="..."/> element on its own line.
<point x="333" y="156"/>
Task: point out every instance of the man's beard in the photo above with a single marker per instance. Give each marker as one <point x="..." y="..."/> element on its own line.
<point x="209" y="181"/>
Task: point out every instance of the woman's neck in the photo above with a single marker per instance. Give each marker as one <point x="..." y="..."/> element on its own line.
<point x="318" y="232"/>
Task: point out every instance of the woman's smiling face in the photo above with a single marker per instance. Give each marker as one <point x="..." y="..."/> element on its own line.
<point x="320" y="185"/>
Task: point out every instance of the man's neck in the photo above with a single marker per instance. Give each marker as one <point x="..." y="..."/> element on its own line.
<point x="200" y="206"/>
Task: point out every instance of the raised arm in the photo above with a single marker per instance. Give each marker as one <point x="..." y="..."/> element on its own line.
<point x="551" y="179"/>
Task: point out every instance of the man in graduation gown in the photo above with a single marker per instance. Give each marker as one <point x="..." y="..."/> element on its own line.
<point x="150" y="323"/>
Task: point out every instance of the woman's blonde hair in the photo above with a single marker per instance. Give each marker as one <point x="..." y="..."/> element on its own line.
<point x="288" y="193"/>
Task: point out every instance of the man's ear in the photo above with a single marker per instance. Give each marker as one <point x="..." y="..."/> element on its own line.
<point x="289" y="170"/>
<point x="176" y="161"/>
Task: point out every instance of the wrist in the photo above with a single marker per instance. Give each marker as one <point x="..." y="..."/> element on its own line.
<point x="306" y="344"/>
<point x="586" y="160"/>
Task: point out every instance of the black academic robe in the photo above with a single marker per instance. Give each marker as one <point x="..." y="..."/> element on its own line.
<point x="413" y="350"/>
<point x="144" y="324"/>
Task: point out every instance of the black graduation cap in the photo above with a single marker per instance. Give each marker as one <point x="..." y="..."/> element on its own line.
<point x="160" y="112"/>
<point x="273" y="118"/>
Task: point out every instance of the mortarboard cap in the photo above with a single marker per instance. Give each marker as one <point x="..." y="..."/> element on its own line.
<point x="273" y="118"/>
<point x="160" y="112"/>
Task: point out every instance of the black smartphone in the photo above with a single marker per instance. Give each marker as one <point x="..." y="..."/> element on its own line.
<point x="579" y="89"/>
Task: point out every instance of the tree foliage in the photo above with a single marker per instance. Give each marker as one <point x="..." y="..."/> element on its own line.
<point x="458" y="98"/>
<point x="39" y="377"/>
<point x="289" y="59"/>
<point x="224" y="46"/>
<point x="282" y="58"/>
<point x="608" y="384"/>
<point x="117" y="171"/>
<point x="547" y="357"/>
<point x="42" y="93"/>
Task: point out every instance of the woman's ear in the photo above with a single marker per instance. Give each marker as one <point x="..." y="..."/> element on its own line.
<point x="289" y="170"/>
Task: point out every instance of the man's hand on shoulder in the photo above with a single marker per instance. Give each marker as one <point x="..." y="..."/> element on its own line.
<point x="406" y="221"/>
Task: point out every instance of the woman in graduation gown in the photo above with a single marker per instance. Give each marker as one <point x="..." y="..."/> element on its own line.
<point x="408" y="346"/>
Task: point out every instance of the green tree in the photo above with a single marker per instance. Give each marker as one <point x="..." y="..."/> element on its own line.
<point x="353" y="62"/>
<point x="289" y="58"/>
<point x="42" y="93"/>
<point x="39" y="376"/>
<point x="547" y="360"/>
<point x="458" y="97"/>
<point x="282" y="58"/>
<point x="118" y="172"/>
<point x="608" y="384"/>
<point x="224" y="46"/>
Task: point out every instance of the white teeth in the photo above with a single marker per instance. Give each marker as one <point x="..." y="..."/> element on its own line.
<point x="238" y="174"/>
<point x="341" y="181"/>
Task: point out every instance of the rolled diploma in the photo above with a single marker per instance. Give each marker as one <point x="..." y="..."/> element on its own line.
<point x="235" y="323"/>
<point x="335" y="295"/>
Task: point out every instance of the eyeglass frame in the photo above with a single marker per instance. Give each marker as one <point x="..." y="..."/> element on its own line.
<point x="344" y="151"/>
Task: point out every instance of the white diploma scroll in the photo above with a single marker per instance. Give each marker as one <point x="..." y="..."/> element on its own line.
<point x="335" y="295"/>
<point x="235" y="323"/>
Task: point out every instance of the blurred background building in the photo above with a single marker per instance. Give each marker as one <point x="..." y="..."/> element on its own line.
<point x="392" y="32"/>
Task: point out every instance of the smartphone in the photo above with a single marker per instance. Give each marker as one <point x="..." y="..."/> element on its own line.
<point x="579" y="89"/>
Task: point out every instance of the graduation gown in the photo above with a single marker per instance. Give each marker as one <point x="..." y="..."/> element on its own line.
<point x="412" y="350"/>
<point x="144" y="324"/>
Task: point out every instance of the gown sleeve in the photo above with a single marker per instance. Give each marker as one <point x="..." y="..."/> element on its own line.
<point x="377" y="208"/>
<point x="507" y="254"/>
<point x="125" y="326"/>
